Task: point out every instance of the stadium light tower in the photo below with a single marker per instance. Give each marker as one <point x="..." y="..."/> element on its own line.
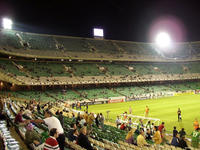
<point x="163" y="40"/>
<point x="7" y="23"/>
<point x="98" y="33"/>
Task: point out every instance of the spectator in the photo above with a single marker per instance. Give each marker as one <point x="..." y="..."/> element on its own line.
<point x="152" y="128"/>
<point x="182" y="143"/>
<point x="78" y="119"/>
<point x="74" y="137"/>
<point x="101" y="120"/>
<point x="123" y="126"/>
<point x="57" y="112"/>
<point x="71" y="131"/>
<point x="51" y="143"/>
<point x="182" y="132"/>
<point x="73" y="117"/>
<point x="140" y="124"/>
<point x="195" y="138"/>
<point x="157" y="137"/>
<point x="90" y="119"/>
<point x="38" y="108"/>
<point x="86" y="116"/>
<point x="141" y="140"/>
<point x="118" y="122"/>
<point x="18" y="117"/>
<point x="97" y="120"/>
<point x="129" y="122"/>
<point x="148" y="126"/>
<point x="148" y="135"/>
<point x="32" y="137"/>
<point x="28" y="113"/>
<point x="82" y="139"/>
<point x="53" y="122"/>
<point x="83" y="121"/>
<point x="129" y="137"/>
<point x="175" y="140"/>
<point x="161" y="127"/>
<point x="164" y="139"/>
<point x="175" y="132"/>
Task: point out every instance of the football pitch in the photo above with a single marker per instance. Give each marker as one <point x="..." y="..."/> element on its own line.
<point x="164" y="109"/>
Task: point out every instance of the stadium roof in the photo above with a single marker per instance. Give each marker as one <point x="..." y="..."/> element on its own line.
<point x="121" y="20"/>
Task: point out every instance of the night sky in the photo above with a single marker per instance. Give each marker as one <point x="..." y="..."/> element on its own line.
<point x="121" y="19"/>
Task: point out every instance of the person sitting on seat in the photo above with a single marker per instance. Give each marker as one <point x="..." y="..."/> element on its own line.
<point x="83" y="139"/>
<point x="129" y="137"/>
<point x="123" y="126"/>
<point x="28" y="112"/>
<point x="74" y="137"/>
<point x="141" y="140"/>
<point x="183" y="144"/>
<point x="71" y="131"/>
<point x="53" y="122"/>
<point x="18" y="118"/>
<point x="32" y="137"/>
<point x="51" y="143"/>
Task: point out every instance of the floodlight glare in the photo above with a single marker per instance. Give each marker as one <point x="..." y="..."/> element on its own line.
<point x="7" y="23"/>
<point x="98" y="32"/>
<point x="163" y="40"/>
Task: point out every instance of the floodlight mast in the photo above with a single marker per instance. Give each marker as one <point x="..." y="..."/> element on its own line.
<point x="164" y="45"/>
<point x="163" y="40"/>
<point x="7" y="23"/>
<point x="98" y="33"/>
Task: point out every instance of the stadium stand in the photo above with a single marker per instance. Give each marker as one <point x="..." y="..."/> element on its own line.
<point x="59" y="71"/>
<point x="64" y="47"/>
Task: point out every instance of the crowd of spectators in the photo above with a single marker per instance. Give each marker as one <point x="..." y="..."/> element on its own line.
<point x="82" y="126"/>
<point x="144" y="135"/>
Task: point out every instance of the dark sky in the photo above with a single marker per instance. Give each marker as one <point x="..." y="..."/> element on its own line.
<point x="120" y="19"/>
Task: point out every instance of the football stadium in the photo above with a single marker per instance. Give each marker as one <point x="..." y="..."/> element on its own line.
<point x="61" y="92"/>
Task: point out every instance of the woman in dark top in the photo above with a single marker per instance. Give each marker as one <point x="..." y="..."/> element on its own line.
<point x="183" y="144"/>
<point x="83" y="139"/>
<point x="148" y="135"/>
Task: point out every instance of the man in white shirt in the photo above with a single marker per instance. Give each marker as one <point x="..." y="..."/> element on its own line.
<point x="53" y="122"/>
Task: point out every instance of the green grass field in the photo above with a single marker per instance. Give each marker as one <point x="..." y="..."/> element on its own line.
<point x="163" y="108"/>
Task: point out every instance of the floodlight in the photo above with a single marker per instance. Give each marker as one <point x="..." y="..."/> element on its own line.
<point x="163" y="40"/>
<point x="7" y="23"/>
<point x="98" y="32"/>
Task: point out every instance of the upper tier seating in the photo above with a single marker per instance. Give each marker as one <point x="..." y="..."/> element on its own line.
<point x="39" y="42"/>
<point x="73" y="44"/>
<point x="51" y="46"/>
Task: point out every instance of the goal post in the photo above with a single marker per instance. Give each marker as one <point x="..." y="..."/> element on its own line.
<point x="135" y="120"/>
